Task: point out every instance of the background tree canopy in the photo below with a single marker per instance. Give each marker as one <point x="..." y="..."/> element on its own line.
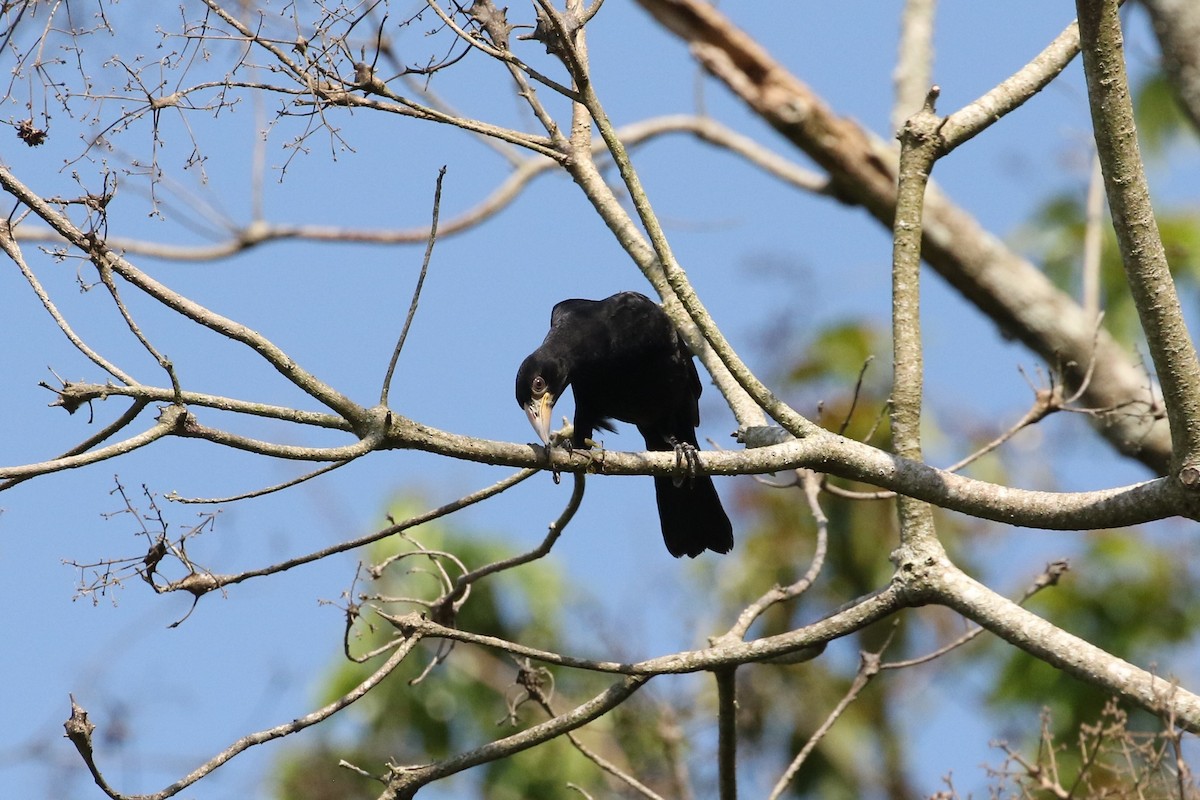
<point x="290" y="540"/>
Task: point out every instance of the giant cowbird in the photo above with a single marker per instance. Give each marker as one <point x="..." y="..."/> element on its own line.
<point x="625" y="360"/>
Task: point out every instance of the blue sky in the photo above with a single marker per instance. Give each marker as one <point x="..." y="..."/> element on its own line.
<point x="756" y="251"/>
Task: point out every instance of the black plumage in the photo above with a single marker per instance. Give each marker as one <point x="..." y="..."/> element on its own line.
<point x="625" y="361"/>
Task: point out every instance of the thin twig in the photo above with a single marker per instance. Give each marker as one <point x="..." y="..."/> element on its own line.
<point x="83" y="743"/>
<point x="9" y="245"/>
<point x="810" y="482"/>
<point x="72" y="395"/>
<point x="168" y="423"/>
<point x="868" y="668"/>
<point x="525" y="170"/>
<point x="412" y="306"/>
<point x="411" y="522"/>
<point x="405" y="781"/>
<point x="104" y="258"/>
<point x="858" y="385"/>
<point x="539" y="696"/>
<point x="109" y="430"/>
<point x="503" y="55"/>
<point x="176" y="498"/>
<point x="454" y="597"/>
<point x="104" y="269"/>
<point x="850" y="494"/>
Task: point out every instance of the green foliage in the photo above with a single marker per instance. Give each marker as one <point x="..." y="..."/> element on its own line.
<point x="1125" y="594"/>
<point x="838" y="352"/>
<point x="1054" y="238"/>
<point x="1160" y="120"/>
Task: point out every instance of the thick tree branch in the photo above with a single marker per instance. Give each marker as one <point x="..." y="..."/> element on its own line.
<point x="1012" y="292"/>
<point x="1142" y="252"/>
<point x="918" y="151"/>
<point x="836" y="455"/>
<point x="821" y="451"/>
<point x="942" y="582"/>
<point x="798" y="644"/>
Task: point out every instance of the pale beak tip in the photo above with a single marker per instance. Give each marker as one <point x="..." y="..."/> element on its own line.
<point x="539" y="412"/>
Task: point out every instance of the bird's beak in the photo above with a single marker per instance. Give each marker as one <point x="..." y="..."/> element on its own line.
<point x="539" y="411"/>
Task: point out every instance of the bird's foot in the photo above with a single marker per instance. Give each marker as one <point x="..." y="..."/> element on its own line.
<point x="592" y="452"/>
<point x="687" y="462"/>
<point x="559" y="438"/>
<point x="563" y="435"/>
<point x="593" y="455"/>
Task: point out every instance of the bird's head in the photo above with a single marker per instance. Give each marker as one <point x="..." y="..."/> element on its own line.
<point x="540" y="382"/>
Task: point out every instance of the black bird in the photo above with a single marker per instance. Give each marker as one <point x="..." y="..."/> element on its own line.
<point x="625" y="361"/>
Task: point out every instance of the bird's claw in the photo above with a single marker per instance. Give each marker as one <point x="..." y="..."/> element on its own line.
<point x="562" y="438"/>
<point x="562" y="435"/>
<point x="684" y="452"/>
<point x="592" y="456"/>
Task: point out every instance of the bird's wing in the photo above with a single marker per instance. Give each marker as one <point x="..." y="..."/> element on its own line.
<point x="694" y="377"/>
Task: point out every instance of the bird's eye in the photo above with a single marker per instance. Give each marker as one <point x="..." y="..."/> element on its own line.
<point x="539" y="386"/>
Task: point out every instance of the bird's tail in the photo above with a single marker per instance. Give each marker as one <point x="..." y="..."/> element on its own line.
<point x="692" y="517"/>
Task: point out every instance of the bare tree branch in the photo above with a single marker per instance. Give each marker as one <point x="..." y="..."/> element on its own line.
<point x="1034" y="635"/>
<point x="1011" y="291"/>
<point x="82" y="741"/>
<point x="1142" y="250"/>
<point x="918" y="152"/>
<point x="404" y="782"/>
<point x="104" y="258"/>
<point x="913" y="74"/>
<point x="412" y="307"/>
<point x="9" y="245"/>
<point x="323" y="71"/>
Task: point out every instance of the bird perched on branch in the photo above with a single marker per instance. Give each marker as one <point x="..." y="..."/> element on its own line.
<point x="625" y="360"/>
